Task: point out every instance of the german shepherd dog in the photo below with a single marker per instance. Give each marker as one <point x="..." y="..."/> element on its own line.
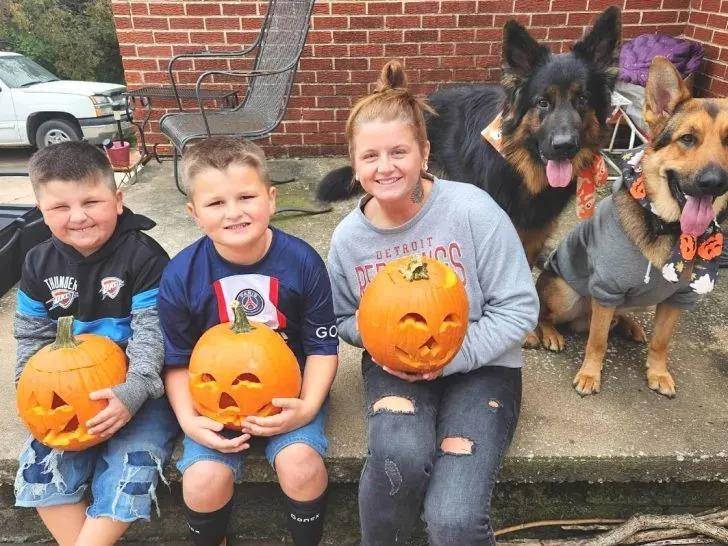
<point x="665" y="209"/>
<point x="553" y="109"/>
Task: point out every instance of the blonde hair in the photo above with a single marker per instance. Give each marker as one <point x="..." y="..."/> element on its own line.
<point x="219" y="153"/>
<point x="390" y="101"/>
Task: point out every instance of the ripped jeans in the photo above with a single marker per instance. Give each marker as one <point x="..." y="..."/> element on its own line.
<point x="407" y="473"/>
<point x="123" y="471"/>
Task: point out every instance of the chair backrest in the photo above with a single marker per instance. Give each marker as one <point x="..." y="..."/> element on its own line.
<point x="283" y="36"/>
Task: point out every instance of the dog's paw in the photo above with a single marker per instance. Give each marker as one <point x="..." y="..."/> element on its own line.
<point x="662" y="383"/>
<point x="587" y="383"/>
<point x="531" y="341"/>
<point x="629" y="328"/>
<point x="552" y="340"/>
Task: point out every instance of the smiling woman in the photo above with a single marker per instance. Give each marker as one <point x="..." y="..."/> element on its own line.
<point x="416" y="460"/>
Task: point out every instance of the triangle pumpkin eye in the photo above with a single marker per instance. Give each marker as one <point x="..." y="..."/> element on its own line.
<point x="58" y="402"/>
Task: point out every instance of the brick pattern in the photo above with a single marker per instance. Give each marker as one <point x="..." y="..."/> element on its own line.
<point x="708" y="23"/>
<point x="440" y="41"/>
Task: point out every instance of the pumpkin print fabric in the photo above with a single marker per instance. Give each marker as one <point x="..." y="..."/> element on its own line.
<point x="701" y="251"/>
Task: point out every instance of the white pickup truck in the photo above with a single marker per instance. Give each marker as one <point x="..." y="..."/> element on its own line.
<point x="38" y="109"/>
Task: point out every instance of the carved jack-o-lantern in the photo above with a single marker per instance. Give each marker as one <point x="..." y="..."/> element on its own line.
<point x="413" y="315"/>
<point x="236" y="369"/>
<point x="53" y="390"/>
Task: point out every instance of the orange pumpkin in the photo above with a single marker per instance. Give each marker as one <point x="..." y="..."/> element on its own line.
<point x="413" y="315"/>
<point x="688" y="246"/>
<point x="236" y="369"/>
<point x="712" y="247"/>
<point x="54" y="387"/>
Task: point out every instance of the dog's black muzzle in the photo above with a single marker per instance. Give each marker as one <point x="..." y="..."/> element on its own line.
<point x="711" y="180"/>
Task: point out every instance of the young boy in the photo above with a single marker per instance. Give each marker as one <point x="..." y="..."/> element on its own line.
<point x="100" y="268"/>
<point x="280" y="281"/>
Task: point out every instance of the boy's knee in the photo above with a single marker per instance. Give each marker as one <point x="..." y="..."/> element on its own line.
<point x="301" y="471"/>
<point x="207" y="486"/>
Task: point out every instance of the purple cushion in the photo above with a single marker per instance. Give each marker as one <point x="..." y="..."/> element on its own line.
<point x="636" y="56"/>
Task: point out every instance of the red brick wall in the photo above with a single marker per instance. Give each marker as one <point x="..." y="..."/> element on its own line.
<point x="708" y="23"/>
<point x="441" y="42"/>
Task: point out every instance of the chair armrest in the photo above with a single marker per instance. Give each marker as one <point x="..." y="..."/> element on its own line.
<point x="205" y="55"/>
<point x="234" y="73"/>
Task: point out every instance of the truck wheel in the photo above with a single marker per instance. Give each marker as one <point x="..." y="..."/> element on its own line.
<point x="54" y="131"/>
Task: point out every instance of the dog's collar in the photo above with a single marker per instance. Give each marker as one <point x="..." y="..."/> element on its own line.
<point x="587" y="181"/>
<point x="702" y="251"/>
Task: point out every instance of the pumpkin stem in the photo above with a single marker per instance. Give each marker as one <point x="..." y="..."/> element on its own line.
<point x="64" y="334"/>
<point x="241" y="325"/>
<point x="415" y="270"/>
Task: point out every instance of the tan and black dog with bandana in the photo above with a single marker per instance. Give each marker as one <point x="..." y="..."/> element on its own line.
<point x="655" y="241"/>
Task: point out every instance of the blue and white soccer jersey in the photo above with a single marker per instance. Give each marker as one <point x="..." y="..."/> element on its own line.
<point x="288" y="290"/>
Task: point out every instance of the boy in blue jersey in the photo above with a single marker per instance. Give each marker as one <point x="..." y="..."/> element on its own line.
<point x="100" y="268"/>
<point x="280" y="281"/>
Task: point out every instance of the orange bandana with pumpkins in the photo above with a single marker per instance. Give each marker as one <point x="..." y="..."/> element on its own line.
<point x="702" y="249"/>
<point x="587" y="181"/>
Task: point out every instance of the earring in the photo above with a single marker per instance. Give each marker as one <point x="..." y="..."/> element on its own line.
<point x="425" y="166"/>
<point x="356" y="178"/>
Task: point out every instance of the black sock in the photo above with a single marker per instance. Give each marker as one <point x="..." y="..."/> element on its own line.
<point x="208" y="528"/>
<point x="305" y="520"/>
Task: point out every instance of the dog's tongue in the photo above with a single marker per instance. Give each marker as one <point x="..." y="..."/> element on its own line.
<point x="696" y="215"/>
<point x="558" y="173"/>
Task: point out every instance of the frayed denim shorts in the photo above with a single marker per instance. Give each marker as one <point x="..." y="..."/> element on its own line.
<point x="312" y="434"/>
<point x="122" y="472"/>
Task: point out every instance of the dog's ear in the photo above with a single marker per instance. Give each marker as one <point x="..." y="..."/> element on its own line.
<point x="664" y="91"/>
<point x="521" y="53"/>
<point x="601" y="45"/>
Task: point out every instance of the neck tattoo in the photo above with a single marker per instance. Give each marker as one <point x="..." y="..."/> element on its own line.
<point x="418" y="193"/>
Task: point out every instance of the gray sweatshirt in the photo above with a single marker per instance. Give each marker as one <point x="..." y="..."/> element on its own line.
<point x="597" y="259"/>
<point x="463" y="227"/>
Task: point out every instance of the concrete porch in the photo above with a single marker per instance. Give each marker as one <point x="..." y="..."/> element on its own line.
<point x="623" y="451"/>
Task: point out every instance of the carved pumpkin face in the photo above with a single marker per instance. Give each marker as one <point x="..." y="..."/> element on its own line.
<point x="237" y="368"/>
<point x="413" y="315"/>
<point x="53" y="390"/>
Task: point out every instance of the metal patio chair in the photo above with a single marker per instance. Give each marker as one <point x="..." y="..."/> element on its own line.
<point x="277" y="50"/>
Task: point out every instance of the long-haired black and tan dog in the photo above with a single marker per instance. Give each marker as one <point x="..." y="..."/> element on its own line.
<point x="552" y="110"/>
<point x="655" y="241"/>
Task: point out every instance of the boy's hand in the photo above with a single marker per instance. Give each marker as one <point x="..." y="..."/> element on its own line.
<point x="110" y="419"/>
<point x="295" y="414"/>
<point x="204" y="430"/>
<point x="412" y="377"/>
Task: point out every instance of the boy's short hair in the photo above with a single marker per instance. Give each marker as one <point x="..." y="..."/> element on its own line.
<point x="70" y="162"/>
<point x="219" y="153"/>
